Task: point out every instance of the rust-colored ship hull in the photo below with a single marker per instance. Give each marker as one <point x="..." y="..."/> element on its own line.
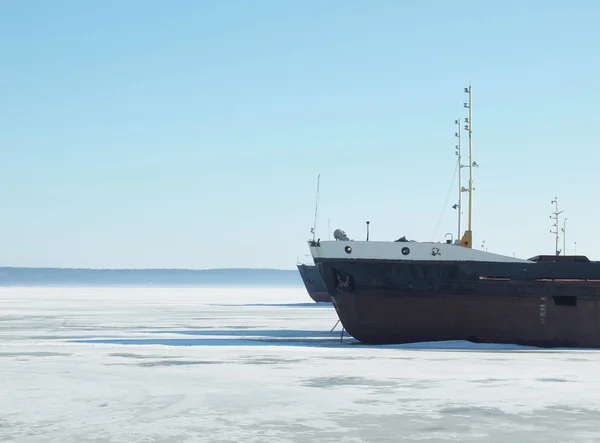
<point x="512" y="303"/>
<point x="314" y="284"/>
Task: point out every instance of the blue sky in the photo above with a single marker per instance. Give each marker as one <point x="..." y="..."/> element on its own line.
<point x="147" y="134"/>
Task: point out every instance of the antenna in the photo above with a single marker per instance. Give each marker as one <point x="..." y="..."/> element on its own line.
<point x="316" y="208"/>
<point x="554" y="216"/>
<point x="329" y="227"/>
<point x="368" y="230"/>
<point x="564" y="231"/>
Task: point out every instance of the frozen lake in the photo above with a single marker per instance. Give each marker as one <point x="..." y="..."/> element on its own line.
<point x="260" y="365"/>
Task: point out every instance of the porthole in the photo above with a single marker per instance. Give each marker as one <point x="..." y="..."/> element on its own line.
<point x="405" y="251"/>
<point x="348" y="249"/>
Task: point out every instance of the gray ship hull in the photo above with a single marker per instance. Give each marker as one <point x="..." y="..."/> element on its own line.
<point x="314" y="283"/>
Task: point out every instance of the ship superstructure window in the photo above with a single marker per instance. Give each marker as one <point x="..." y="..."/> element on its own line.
<point x="565" y="300"/>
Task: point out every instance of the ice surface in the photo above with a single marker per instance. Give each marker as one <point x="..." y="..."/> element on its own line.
<point x="252" y="365"/>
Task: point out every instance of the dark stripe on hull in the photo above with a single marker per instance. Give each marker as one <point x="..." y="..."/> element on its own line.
<point x="314" y="283"/>
<point x="403" y="302"/>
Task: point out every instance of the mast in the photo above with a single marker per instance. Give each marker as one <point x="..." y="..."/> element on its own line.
<point x="460" y="166"/>
<point x="469" y="128"/>
<point x="554" y="216"/>
<point x="314" y="228"/>
<point x="467" y="239"/>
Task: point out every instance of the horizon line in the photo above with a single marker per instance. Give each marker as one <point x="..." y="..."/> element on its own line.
<point x="140" y="269"/>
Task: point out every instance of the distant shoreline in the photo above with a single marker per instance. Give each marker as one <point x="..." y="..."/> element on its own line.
<point x="54" y="268"/>
<point x="86" y="277"/>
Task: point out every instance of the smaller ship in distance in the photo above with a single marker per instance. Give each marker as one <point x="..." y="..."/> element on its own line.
<point x="314" y="283"/>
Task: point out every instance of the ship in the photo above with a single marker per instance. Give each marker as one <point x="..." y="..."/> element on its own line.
<point x="314" y="284"/>
<point x="406" y="291"/>
<point x="403" y="292"/>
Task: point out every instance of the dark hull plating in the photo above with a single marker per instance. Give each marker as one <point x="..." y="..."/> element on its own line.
<point x="314" y="284"/>
<point x="381" y="302"/>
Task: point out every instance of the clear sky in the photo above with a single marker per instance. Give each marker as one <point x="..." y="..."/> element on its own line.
<point x="190" y="133"/>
